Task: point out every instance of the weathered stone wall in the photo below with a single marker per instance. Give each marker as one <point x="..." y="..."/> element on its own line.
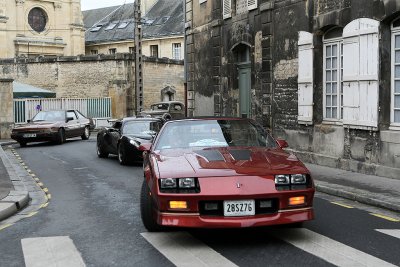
<point x="97" y="76"/>
<point x="6" y="108"/>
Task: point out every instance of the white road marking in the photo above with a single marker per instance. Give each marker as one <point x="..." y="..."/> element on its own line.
<point x="54" y="251"/>
<point x="184" y="250"/>
<point x="327" y="249"/>
<point x="391" y="232"/>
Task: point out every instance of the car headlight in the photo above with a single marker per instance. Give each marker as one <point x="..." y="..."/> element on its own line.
<point x="134" y="143"/>
<point x="168" y="183"/>
<point x="298" y="179"/>
<point x="282" y="179"/>
<point x="187" y="183"/>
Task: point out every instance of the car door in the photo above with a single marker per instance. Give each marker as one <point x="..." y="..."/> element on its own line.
<point x="115" y="135"/>
<point x="83" y="122"/>
<point x="72" y="126"/>
<point x="176" y="111"/>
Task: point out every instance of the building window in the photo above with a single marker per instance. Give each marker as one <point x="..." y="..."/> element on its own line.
<point x="333" y="73"/>
<point x="154" y="50"/>
<point x="94" y="52"/>
<point x="37" y="19"/>
<point x="131" y="50"/>
<point x="112" y="50"/>
<point x="395" y="105"/>
<point x="176" y="51"/>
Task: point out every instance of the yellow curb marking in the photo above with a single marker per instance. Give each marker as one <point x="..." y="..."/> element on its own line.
<point x="37" y="179"/>
<point x="48" y="196"/>
<point x="44" y="205"/>
<point x="46" y="190"/>
<point x="31" y="214"/>
<point x="28" y="170"/>
<point x="5" y="226"/>
<point x="385" y="217"/>
<point x="40" y="184"/>
<point x="343" y="205"/>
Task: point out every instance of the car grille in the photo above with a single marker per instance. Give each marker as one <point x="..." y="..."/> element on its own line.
<point x="220" y="210"/>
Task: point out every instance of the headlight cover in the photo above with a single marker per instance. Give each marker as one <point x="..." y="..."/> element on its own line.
<point x="179" y="185"/>
<point x="298" y="179"/>
<point x="292" y="181"/>
<point x="282" y="179"/>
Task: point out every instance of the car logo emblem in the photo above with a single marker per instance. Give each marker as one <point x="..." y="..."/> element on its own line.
<point x="238" y="185"/>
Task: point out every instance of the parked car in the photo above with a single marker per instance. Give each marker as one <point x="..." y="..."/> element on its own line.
<point x="125" y="136"/>
<point x="166" y="110"/>
<point x="53" y="125"/>
<point x="220" y="173"/>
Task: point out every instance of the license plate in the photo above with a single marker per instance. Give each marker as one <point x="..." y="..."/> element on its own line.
<point x="29" y="135"/>
<point x="239" y="208"/>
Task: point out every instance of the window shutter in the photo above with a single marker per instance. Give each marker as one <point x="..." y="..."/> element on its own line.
<point x="227" y="9"/>
<point x="305" y="78"/>
<point x="251" y="4"/>
<point x="360" y="73"/>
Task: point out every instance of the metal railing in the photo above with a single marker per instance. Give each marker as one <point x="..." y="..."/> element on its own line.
<point x="96" y="108"/>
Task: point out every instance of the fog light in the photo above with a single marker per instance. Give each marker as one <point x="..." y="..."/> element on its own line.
<point x="211" y="206"/>
<point x="293" y="201"/>
<point x="178" y="205"/>
<point x="265" y="204"/>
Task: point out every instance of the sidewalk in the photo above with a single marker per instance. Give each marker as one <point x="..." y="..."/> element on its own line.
<point x="371" y="190"/>
<point x="13" y="194"/>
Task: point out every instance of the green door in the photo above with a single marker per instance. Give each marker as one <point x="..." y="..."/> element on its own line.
<point x="244" y="90"/>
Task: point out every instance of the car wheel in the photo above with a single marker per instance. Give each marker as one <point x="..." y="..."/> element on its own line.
<point x="86" y="133"/>
<point x="101" y="153"/>
<point x="22" y="144"/>
<point x="61" y="136"/>
<point x="122" y="158"/>
<point x="146" y="210"/>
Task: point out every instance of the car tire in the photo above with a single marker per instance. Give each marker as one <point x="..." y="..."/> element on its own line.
<point x="101" y="153"/>
<point x="122" y="158"/>
<point x="147" y="209"/>
<point x="61" y="136"/>
<point x="86" y="133"/>
<point x="22" y="144"/>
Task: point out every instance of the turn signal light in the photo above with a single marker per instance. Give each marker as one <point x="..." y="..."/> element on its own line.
<point x="178" y="205"/>
<point x="293" y="201"/>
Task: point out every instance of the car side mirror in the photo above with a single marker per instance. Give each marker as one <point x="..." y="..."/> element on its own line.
<point x="282" y="143"/>
<point x="145" y="147"/>
<point x="70" y="119"/>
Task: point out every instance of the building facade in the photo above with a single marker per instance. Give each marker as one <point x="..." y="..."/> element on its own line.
<point x="51" y="28"/>
<point x="112" y="30"/>
<point x="323" y="74"/>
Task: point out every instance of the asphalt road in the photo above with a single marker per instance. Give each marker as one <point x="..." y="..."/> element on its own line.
<point x="95" y="202"/>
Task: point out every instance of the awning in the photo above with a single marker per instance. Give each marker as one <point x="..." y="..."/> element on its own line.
<point x="22" y="90"/>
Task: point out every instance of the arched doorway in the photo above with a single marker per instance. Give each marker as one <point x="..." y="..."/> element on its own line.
<point x="243" y="64"/>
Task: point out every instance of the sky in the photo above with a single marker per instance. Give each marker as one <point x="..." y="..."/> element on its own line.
<point x="92" y="4"/>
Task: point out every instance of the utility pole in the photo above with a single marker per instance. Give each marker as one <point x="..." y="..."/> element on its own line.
<point x="138" y="58"/>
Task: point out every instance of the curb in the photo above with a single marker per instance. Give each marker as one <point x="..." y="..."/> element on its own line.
<point x="358" y="197"/>
<point x="16" y="200"/>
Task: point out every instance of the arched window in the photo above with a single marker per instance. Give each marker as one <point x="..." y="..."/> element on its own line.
<point x="37" y="19"/>
<point x="333" y="74"/>
<point x="395" y="103"/>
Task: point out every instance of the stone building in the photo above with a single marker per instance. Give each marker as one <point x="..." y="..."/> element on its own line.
<point x="111" y="30"/>
<point x="322" y="74"/>
<point x="31" y="28"/>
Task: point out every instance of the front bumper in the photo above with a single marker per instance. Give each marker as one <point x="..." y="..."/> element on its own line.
<point x="195" y="220"/>
<point x="40" y="136"/>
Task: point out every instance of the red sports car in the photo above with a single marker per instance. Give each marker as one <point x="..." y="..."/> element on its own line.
<point x="220" y="173"/>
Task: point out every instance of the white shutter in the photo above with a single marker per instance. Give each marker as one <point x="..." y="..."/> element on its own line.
<point x="227" y="8"/>
<point x="305" y="78"/>
<point x="360" y="73"/>
<point x="251" y="4"/>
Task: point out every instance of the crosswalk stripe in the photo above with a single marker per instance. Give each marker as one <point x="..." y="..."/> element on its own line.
<point x="57" y="251"/>
<point x="327" y="249"/>
<point x="184" y="250"/>
<point x="391" y="232"/>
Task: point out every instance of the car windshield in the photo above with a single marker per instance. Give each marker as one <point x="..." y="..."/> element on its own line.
<point x="161" y="106"/>
<point x="141" y="127"/>
<point x="213" y="133"/>
<point x="50" y="116"/>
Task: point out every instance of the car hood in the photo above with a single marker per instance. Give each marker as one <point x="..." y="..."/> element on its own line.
<point x="219" y="162"/>
<point x="154" y="112"/>
<point x="37" y="125"/>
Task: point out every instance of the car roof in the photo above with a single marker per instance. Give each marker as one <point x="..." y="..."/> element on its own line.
<point x="140" y="119"/>
<point x="168" y="102"/>
<point x="213" y="118"/>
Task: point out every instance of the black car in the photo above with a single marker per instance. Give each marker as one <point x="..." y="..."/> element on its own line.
<point x="125" y="136"/>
